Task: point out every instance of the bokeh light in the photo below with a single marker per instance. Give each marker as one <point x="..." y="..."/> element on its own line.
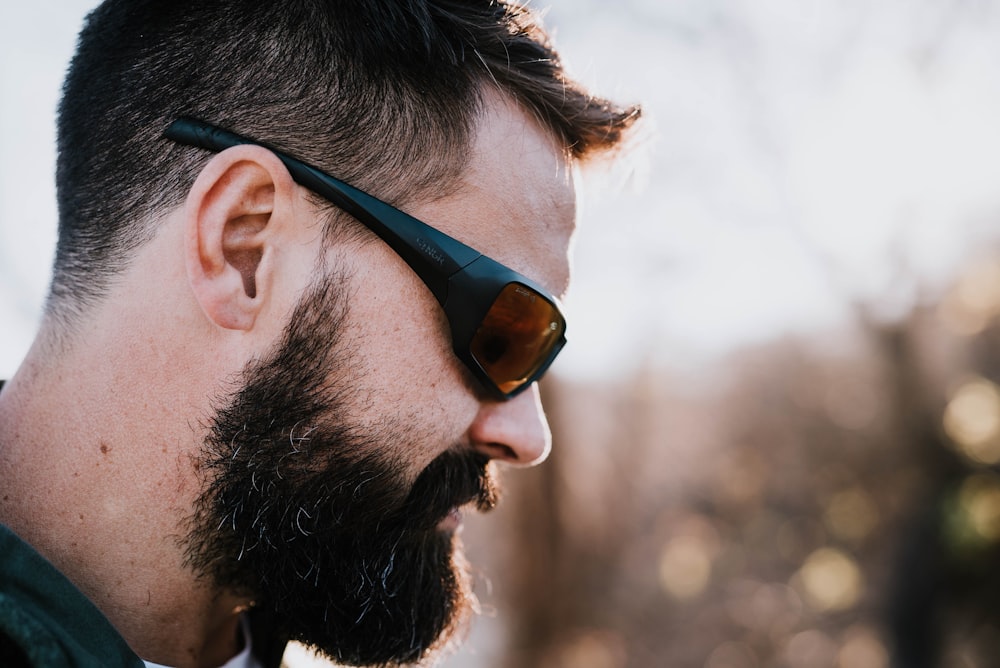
<point x="810" y="649"/>
<point x="862" y="648"/>
<point x="979" y="497"/>
<point x="732" y="654"/>
<point x="830" y="580"/>
<point x="975" y="299"/>
<point x="851" y="514"/>
<point x="770" y="609"/>
<point x="972" y="420"/>
<point x="591" y="649"/>
<point x="685" y="567"/>
<point x="973" y="522"/>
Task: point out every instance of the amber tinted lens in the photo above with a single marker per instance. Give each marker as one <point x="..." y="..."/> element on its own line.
<point x="517" y="336"/>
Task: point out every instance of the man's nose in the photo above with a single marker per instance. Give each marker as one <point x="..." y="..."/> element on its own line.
<point x="514" y="431"/>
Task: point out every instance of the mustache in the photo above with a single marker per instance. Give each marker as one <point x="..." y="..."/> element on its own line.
<point x="454" y="478"/>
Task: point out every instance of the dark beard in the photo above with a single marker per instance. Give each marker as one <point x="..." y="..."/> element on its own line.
<point x="311" y="518"/>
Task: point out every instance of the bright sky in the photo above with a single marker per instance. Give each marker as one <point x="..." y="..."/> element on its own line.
<point x="801" y="154"/>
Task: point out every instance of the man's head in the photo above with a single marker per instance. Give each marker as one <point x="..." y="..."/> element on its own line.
<point x="382" y="93"/>
<point x="339" y="433"/>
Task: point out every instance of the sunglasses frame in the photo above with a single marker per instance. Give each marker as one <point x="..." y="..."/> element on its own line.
<point x="464" y="281"/>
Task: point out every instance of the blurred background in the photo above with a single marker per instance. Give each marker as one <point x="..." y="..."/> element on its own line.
<point x="777" y="424"/>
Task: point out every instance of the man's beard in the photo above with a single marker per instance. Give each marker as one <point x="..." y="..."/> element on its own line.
<point x="310" y="516"/>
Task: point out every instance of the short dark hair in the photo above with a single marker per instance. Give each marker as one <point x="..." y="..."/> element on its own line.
<point x="379" y="92"/>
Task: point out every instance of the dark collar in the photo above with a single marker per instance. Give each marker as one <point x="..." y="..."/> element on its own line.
<point x="44" y="614"/>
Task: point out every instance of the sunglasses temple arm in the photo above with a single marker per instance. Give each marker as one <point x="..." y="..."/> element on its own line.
<point x="433" y="255"/>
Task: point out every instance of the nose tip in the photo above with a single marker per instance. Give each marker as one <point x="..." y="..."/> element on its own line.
<point x="515" y="431"/>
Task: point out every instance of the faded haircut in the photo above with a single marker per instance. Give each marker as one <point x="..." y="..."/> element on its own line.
<point x="383" y="94"/>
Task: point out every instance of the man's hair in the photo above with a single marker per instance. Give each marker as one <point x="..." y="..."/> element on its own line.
<point x="376" y="92"/>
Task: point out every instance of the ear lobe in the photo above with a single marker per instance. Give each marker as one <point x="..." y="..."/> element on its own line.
<point x="233" y="211"/>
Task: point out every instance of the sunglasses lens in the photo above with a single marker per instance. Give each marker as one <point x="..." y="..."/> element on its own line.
<point x="517" y="336"/>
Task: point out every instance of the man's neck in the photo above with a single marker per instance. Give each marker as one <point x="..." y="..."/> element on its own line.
<point x="103" y="497"/>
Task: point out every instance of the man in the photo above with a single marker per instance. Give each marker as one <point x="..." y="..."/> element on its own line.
<point x="259" y="396"/>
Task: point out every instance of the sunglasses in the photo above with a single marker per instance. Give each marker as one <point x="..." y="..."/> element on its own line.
<point x="505" y="328"/>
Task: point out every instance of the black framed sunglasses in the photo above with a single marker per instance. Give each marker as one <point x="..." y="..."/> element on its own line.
<point x="505" y="328"/>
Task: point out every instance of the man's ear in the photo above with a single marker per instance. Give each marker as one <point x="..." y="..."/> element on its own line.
<point x="233" y="214"/>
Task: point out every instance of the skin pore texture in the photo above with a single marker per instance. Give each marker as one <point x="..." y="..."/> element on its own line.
<point x="209" y="348"/>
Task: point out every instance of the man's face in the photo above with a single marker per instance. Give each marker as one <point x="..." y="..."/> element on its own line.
<point x="334" y="472"/>
<point x="316" y="520"/>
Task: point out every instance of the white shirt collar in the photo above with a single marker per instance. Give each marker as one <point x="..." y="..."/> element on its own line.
<point x="244" y="659"/>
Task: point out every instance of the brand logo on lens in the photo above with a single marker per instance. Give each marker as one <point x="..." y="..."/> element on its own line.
<point x="525" y="293"/>
<point x="430" y="250"/>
